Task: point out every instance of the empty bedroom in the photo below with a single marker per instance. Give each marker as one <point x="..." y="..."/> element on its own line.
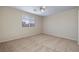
<point x="39" y="29"/>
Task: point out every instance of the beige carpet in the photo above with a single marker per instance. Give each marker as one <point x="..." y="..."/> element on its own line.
<point x="40" y="43"/>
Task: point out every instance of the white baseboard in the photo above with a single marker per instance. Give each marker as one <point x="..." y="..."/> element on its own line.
<point x="60" y="36"/>
<point x="16" y="37"/>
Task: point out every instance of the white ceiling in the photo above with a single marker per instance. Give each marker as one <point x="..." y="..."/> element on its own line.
<point x="50" y="10"/>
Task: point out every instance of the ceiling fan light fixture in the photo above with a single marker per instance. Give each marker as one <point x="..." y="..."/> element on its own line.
<point x="43" y="9"/>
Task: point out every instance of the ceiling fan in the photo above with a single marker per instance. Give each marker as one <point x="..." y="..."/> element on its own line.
<point x="43" y="9"/>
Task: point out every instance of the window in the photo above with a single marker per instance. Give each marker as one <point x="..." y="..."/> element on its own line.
<point x="28" y="21"/>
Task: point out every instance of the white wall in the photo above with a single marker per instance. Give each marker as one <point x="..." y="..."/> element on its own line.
<point x="11" y="24"/>
<point x="78" y="25"/>
<point x="0" y="24"/>
<point x="63" y="24"/>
